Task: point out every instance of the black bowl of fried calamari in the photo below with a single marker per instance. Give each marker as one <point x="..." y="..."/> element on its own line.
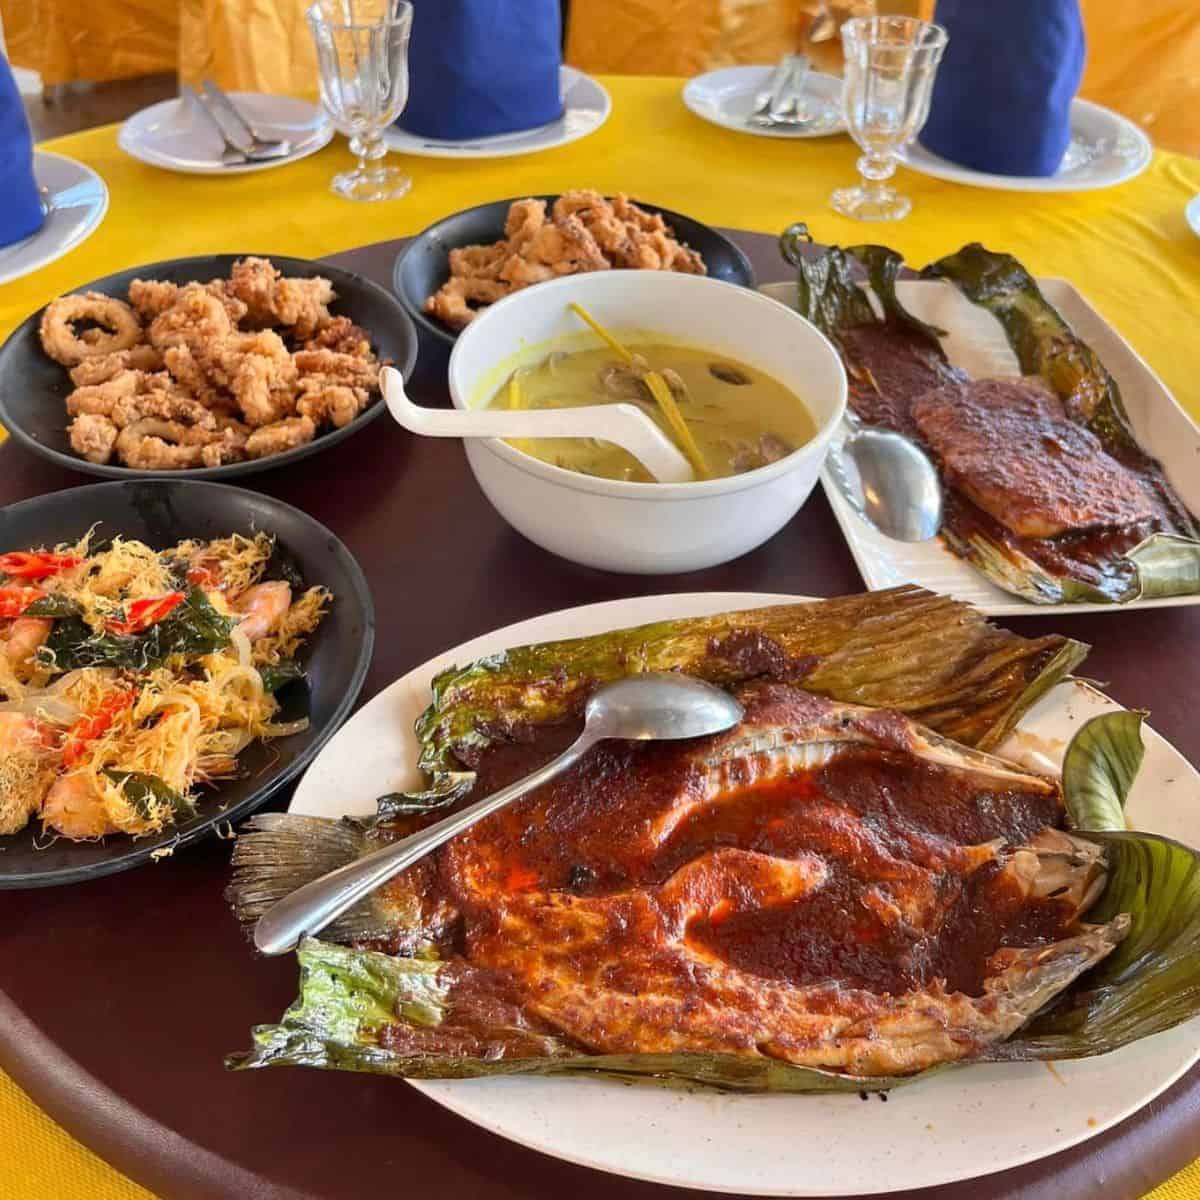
<point x="218" y="365"/>
<point x="469" y="260"/>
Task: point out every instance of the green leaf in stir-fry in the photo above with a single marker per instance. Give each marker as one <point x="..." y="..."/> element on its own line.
<point x="151" y="795"/>
<point x="906" y="648"/>
<point x="193" y="629"/>
<point x="280" y="675"/>
<point x="53" y="606"/>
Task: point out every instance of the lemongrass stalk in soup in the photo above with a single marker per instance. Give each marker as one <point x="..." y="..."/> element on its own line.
<point x="726" y="416"/>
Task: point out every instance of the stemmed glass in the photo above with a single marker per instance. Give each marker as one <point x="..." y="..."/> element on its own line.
<point x="362" y="58"/>
<point x="890" y="65"/>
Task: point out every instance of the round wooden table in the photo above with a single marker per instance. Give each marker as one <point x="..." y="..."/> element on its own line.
<point x="120" y="997"/>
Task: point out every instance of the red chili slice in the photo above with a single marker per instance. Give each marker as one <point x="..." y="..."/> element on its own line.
<point x="87" y="729"/>
<point x="25" y="564"/>
<point x="15" y="600"/>
<point x="204" y="576"/>
<point x="141" y="614"/>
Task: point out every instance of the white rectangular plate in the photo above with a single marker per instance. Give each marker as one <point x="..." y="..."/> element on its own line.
<point x="975" y="342"/>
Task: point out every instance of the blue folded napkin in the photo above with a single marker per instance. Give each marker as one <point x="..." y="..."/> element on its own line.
<point x="482" y="67"/>
<point x="20" y="208"/>
<point x="1002" y="96"/>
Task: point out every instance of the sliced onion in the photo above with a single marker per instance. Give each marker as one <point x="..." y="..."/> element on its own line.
<point x="44" y="706"/>
<point x="241" y="643"/>
<point x="285" y="728"/>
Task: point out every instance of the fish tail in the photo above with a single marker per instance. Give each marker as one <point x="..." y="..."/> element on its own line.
<point x="276" y="853"/>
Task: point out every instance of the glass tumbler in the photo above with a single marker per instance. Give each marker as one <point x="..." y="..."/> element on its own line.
<point x="362" y="61"/>
<point x="890" y="65"/>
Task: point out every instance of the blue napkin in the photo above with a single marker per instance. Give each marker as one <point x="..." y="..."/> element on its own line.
<point x="1002" y="96"/>
<point x="482" y="67"/>
<point x="20" y="208"/>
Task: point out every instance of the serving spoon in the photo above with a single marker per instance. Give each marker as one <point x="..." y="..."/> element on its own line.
<point x="624" y="424"/>
<point x="652" y="706"/>
<point x="889" y="481"/>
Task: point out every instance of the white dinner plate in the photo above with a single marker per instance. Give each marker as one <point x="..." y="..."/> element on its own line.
<point x="976" y="343"/>
<point x="76" y="201"/>
<point x="1106" y="149"/>
<point x="174" y="136"/>
<point x="951" y="1126"/>
<point x="1192" y="214"/>
<point x="586" y="106"/>
<point x="726" y="98"/>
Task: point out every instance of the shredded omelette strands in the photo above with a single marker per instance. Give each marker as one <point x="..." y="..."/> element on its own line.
<point x="124" y="748"/>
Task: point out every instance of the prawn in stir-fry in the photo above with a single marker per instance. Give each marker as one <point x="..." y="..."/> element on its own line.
<point x="131" y="677"/>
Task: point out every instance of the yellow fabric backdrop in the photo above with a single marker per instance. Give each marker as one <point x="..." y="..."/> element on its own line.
<point x="1128" y="249"/>
<point x="1143" y="57"/>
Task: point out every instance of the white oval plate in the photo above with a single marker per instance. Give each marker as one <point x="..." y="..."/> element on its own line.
<point x="77" y="203"/>
<point x="976" y="342"/>
<point x="726" y="98"/>
<point x="1192" y="214"/>
<point x="1106" y="149"/>
<point x="586" y="106"/>
<point x="953" y="1126"/>
<point x="174" y="136"/>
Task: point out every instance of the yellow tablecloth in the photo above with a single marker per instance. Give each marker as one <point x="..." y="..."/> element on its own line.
<point x="1128" y="249"/>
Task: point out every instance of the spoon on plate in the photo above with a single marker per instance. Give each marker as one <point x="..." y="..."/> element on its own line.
<point x="889" y="481"/>
<point x="652" y="706"/>
<point x="624" y="424"/>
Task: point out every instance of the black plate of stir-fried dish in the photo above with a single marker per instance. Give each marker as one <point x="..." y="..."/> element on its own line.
<point x="319" y="688"/>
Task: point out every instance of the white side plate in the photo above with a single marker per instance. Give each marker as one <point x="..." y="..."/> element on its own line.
<point x="975" y="341"/>
<point x="1192" y="215"/>
<point x="953" y="1126"/>
<point x="726" y="98"/>
<point x="1106" y="149"/>
<point x="77" y="201"/>
<point x="586" y="106"/>
<point x="174" y="136"/>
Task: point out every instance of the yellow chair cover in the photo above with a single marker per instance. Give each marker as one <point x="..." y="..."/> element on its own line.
<point x="68" y="40"/>
<point x="1143" y="58"/>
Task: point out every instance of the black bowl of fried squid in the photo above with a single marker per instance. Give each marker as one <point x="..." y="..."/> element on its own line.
<point x="459" y="265"/>
<point x="210" y="367"/>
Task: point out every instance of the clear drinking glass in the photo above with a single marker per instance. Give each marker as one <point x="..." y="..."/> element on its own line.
<point x="362" y="60"/>
<point x="890" y="65"/>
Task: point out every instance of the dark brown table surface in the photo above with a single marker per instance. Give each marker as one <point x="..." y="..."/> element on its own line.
<point x="120" y="997"/>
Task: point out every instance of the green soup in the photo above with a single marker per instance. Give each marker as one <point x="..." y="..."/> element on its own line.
<point x="739" y="417"/>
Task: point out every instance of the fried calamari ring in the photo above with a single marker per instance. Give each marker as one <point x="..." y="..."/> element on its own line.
<point x="117" y="327"/>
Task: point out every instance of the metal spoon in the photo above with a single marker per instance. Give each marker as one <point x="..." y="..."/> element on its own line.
<point x="889" y="481"/>
<point x="624" y="424"/>
<point x="653" y="706"/>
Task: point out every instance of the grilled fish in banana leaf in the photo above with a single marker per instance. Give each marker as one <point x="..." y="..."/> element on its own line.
<point x="935" y="659"/>
<point x="1048" y="492"/>
<point x="829" y="897"/>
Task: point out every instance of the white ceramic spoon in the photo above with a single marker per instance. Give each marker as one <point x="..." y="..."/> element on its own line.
<point x="623" y="424"/>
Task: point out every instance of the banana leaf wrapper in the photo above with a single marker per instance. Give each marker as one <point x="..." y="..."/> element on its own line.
<point x="350" y="997"/>
<point x="829" y="295"/>
<point x="935" y="659"/>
